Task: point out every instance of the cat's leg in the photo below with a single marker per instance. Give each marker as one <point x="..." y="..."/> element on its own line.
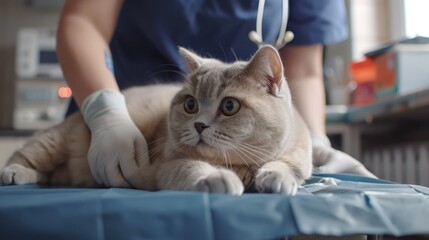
<point x="36" y="159"/>
<point x="277" y="177"/>
<point x="195" y="175"/>
<point x="291" y="169"/>
<point x="76" y="172"/>
<point x="18" y="174"/>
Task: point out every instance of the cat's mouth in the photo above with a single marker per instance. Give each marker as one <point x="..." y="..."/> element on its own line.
<point x="201" y="142"/>
<point x="203" y="145"/>
<point x="206" y="149"/>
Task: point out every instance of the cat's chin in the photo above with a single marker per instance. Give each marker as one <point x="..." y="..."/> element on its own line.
<point x="206" y="150"/>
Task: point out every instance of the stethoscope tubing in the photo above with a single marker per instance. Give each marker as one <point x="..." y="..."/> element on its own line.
<point x="283" y="37"/>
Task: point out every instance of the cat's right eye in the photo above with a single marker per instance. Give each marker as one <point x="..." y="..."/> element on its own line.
<point x="191" y="105"/>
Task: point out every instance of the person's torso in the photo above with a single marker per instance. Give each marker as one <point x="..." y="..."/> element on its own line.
<point x="148" y="33"/>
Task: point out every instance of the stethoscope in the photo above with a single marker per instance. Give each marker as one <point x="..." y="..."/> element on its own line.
<point x="284" y="36"/>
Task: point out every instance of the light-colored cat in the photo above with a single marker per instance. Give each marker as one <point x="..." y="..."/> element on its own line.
<point x="230" y="127"/>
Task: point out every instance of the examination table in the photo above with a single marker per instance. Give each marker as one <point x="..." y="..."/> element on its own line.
<point x="328" y="204"/>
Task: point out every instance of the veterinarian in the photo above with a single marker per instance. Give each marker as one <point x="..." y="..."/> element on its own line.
<point x="107" y="45"/>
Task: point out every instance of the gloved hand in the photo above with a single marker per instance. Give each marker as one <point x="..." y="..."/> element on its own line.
<point x="117" y="147"/>
<point x="329" y="160"/>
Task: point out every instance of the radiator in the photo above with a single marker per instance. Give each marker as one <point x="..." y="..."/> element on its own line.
<point x="408" y="163"/>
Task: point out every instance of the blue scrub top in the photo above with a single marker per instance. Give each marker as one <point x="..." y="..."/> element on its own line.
<point x="145" y="43"/>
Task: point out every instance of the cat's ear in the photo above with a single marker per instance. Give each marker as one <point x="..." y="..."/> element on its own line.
<point x="266" y="66"/>
<point x="192" y="60"/>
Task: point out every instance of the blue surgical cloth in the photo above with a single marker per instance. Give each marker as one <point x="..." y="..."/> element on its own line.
<point x="353" y="205"/>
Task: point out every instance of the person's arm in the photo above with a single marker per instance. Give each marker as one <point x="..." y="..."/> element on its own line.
<point x="83" y="37"/>
<point x="304" y="73"/>
<point x="117" y="147"/>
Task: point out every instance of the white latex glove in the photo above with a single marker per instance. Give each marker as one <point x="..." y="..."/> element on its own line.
<point x="330" y="160"/>
<point x="117" y="147"/>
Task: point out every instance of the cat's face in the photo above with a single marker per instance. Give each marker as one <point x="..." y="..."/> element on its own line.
<point x="237" y="111"/>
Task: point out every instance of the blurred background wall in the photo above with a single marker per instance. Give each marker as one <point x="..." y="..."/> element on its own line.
<point x="16" y="14"/>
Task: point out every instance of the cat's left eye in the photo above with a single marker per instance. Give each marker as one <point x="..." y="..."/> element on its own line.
<point x="191" y="105"/>
<point x="230" y="106"/>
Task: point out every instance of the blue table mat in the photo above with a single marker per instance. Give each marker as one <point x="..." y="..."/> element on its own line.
<point x="355" y="205"/>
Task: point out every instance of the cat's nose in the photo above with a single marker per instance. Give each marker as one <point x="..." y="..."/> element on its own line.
<point x="200" y="126"/>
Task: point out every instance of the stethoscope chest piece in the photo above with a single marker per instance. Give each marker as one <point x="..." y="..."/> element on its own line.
<point x="284" y="36"/>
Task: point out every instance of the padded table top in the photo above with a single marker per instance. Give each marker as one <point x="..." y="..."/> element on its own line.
<point x="327" y="204"/>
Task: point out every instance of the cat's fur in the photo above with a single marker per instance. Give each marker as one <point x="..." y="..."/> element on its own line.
<point x="264" y="146"/>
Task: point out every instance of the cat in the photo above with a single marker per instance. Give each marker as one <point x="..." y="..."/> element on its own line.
<point x="228" y="128"/>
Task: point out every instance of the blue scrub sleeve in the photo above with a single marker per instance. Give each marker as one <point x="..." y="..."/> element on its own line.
<point x="317" y="22"/>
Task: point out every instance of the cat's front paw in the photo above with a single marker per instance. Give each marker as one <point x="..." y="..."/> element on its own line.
<point x="16" y="174"/>
<point x="276" y="181"/>
<point x="221" y="181"/>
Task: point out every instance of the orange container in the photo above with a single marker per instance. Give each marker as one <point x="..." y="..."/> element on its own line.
<point x="363" y="74"/>
<point x="386" y="73"/>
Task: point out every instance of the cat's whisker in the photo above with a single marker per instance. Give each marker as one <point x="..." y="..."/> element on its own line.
<point x="245" y="153"/>
<point x="155" y="151"/>
<point x="166" y="137"/>
<point x="249" y="157"/>
<point x="239" y="155"/>
<point x="235" y="55"/>
<point x="170" y="149"/>
<point x="227" y="142"/>
<point x="169" y="65"/>
<point x="252" y="150"/>
<point x="185" y="134"/>
<point x="158" y="140"/>
<point x="220" y="145"/>
<point x="257" y="148"/>
<point x="260" y="156"/>
<point x="229" y="158"/>
<point x="223" y="136"/>
<point x="170" y="71"/>
<point x="224" y="157"/>
<point x="157" y="148"/>
<point x="160" y="148"/>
